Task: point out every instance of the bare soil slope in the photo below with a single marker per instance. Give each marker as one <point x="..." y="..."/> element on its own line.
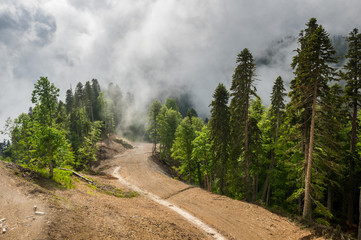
<point x="83" y="213"/>
<point x="233" y="219"/>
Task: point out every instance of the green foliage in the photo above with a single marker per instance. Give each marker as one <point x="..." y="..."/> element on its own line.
<point x="202" y="156"/>
<point x="323" y="222"/>
<point x="170" y="103"/>
<point x="88" y="150"/>
<point x="119" y="193"/>
<point x="296" y="195"/>
<point x="242" y="89"/>
<point x="169" y="120"/>
<point x="219" y="135"/>
<point x="124" y="143"/>
<point x="63" y="178"/>
<point x="47" y="142"/>
<point x="182" y="147"/>
<point x="45" y="96"/>
<point x="56" y="134"/>
<point x="153" y="123"/>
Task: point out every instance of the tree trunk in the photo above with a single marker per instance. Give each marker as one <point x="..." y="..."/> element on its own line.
<point x="154" y="149"/>
<point x="254" y="188"/>
<point x="221" y="180"/>
<point x="268" y="194"/>
<point x="199" y="175"/>
<point x="350" y="209"/>
<point x="267" y="182"/>
<point x="329" y="198"/>
<point x="270" y="169"/>
<point x="359" y="224"/>
<point x="307" y="208"/>
<point x="246" y="155"/>
<point x="51" y="168"/>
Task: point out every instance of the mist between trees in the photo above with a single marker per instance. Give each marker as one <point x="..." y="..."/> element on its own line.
<point x="302" y="157"/>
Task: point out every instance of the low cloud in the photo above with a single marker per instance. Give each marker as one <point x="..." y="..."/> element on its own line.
<point x="151" y="47"/>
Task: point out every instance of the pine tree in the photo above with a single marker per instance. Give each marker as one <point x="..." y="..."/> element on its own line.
<point x="182" y="147"/>
<point x="89" y="99"/>
<point x="96" y="101"/>
<point x="170" y="103"/>
<point x="153" y="123"/>
<point x="202" y="155"/>
<point x="169" y="119"/>
<point x="312" y="76"/>
<point x="48" y="140"/>
<point x="353" y="78"/>
<point x="255" y="135"/>
<point x="277" y="106"/>
<point x="219" y="134"/>
<point x="241" y="90"/>
<point x="69" y="101"/>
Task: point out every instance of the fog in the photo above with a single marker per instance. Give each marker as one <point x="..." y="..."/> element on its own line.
<point x="152" y="47"/>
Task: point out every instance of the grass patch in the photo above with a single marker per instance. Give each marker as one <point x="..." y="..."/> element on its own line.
<point x="92" y="186"/>
<point x="63" y="178"/>
<point x="113" y="191"/>
<point x="124" y="143"/>
<point x="120" y="194"/>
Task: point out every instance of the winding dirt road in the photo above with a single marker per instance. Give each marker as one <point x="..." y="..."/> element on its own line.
<point x="222" y="216"/>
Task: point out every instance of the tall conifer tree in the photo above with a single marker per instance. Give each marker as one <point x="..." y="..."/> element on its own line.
<point x="353" y="78"/>
<point x="277" y="106"/>
<point x="241" y="91"/>
<point x="312" y="74"/>
<point x="219" y="133"/>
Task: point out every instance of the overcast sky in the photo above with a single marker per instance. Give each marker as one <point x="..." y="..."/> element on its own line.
<point x="150" y="46"/>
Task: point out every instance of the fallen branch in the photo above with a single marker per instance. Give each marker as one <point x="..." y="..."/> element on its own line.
<point x="79" y="176"/>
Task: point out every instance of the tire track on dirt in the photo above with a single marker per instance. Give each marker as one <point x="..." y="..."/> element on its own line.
<point x="189" y="217"/>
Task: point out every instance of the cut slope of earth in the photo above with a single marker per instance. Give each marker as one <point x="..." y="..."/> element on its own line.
<point x="83" y="213"/>
<point x="233" y="219"/>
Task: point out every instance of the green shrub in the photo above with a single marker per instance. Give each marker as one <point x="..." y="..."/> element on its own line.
<point x="63" y="178"/>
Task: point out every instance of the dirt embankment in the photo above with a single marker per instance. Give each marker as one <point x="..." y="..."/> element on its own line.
<point x="233" y="219"/>
<point x="83" y="213"/>
<point x="86" y="213"/>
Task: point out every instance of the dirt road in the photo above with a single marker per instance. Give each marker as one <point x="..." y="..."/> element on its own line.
<point x="232" y="219"/>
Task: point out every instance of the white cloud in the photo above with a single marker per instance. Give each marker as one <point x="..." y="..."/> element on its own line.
<point x="149" y="46"/>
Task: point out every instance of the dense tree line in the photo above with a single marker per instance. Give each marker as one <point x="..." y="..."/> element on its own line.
<point x="302" y="157"/>
<point x="54" y="133"/>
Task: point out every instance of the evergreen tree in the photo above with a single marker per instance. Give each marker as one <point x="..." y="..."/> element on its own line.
<point x="88" y="150"/>
<point x="219" y="134"/>
<point x="79" y="96"/>
<point x="330" y="150"/>
<point x="277" y="106"/>
<point x="153" y="123"/>
<point x="89" y="98"/>
<point x="182" y="147"/>
<point x="241" y="91"/>
<point x="96" y="101"/>
<point x="202" y="156"/>
<point x="21" y="132"/>
<point x="169" y="120"/>
<point x="170" y="103"/>
<point x="49" y="141"/>
<point x="312" y="74"/>
<point x="69" y="101"/>
<point x="255" y="142"/>
<point x="353" y="79"/>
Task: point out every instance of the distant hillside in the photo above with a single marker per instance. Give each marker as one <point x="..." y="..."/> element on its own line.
<point x="278" y="51"/>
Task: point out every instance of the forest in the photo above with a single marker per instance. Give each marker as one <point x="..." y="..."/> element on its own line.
<point x="299" y="155"/>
